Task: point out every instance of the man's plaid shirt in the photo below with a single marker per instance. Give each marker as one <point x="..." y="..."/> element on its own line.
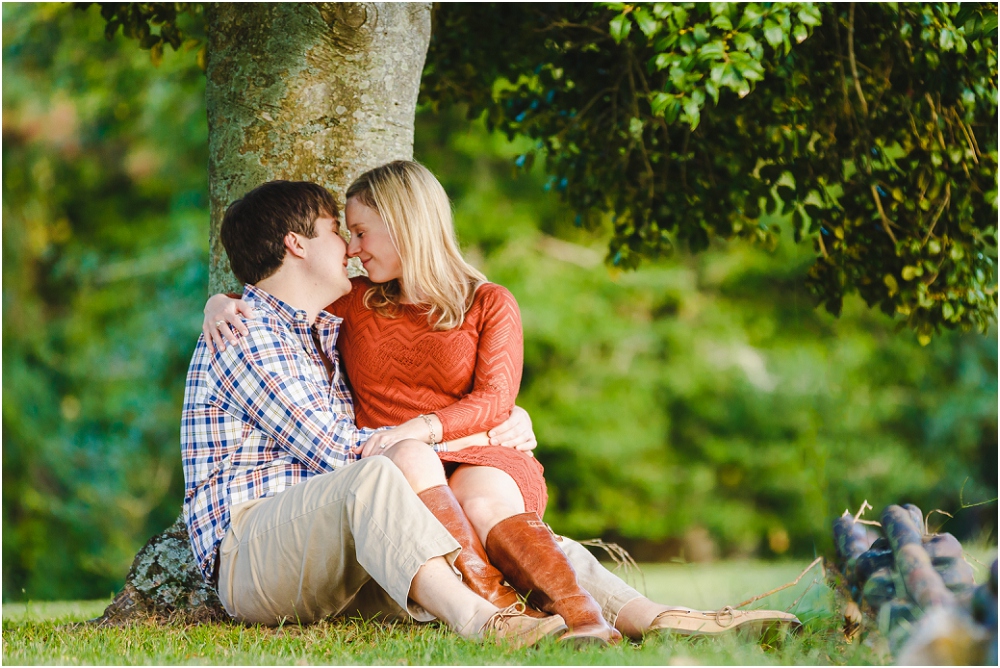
<point x="261" y="416"/>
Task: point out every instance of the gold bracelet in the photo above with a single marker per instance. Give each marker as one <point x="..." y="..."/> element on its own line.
<point x="430" y="429"/>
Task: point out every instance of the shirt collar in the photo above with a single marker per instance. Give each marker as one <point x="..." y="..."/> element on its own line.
<point x="326" y="326"/>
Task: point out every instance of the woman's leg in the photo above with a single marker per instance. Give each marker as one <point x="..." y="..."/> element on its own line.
<point x="487" y="495"/>
<point x="425" y="473"/>
<point x="526" y="551"/>
<point x="418" y="463"/>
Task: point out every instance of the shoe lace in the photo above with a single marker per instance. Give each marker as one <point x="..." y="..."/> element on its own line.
<point x="726" y="616"/>
<point x="499" y="620"/>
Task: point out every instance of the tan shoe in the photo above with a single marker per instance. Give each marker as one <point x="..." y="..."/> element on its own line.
<point x="513" y="628"/>
<point x="756" y="623"/>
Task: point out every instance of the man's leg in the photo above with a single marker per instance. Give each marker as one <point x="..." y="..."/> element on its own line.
<point x="304" y="553"/>
<point x="619" y="602"/>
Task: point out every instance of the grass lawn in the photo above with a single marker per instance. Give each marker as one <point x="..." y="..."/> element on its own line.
<point x="37" y="633"/>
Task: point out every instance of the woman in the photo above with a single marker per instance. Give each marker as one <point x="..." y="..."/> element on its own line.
<point x="425" y="335"/>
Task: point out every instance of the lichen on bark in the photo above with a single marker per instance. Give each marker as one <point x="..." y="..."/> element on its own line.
<point x="165" y="584"/>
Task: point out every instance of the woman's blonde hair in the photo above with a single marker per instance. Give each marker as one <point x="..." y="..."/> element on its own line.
<point x="417" y="212"/>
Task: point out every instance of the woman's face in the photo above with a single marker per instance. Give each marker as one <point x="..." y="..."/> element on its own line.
<point x="370" y="242"/>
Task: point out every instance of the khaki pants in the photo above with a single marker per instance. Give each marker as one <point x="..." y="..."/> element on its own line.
<point x="609" y="590"/>
<point x="341" y="542"/>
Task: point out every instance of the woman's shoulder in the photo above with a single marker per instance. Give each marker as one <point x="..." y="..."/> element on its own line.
<point x="359" y="286"/>
<point x="493" y="292"/>
<point x="493" y="298"/>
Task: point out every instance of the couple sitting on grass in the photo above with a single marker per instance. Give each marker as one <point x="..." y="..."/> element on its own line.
<point x="420" y="496"/>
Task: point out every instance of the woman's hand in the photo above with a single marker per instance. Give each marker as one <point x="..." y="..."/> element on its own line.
<point x="222" y="313"/>
<point x="515" y="432"/>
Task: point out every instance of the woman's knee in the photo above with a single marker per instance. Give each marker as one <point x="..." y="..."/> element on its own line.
<point x="487" y="496"/>
<point x="418" y="462"/>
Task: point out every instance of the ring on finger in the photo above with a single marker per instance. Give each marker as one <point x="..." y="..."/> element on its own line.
<point x="219" y="323"/>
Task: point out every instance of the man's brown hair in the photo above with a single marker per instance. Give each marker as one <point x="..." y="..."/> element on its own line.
<point x="254" y="226"/>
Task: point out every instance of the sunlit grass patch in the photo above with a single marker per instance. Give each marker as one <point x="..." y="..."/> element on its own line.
<point x="37" y="633"/>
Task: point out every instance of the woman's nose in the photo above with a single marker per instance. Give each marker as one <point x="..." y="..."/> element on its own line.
<point x="353" y="247"/>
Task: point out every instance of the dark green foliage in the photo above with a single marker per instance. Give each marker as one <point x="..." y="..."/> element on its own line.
<point x="136" y="19"/>
<point x="874" y="127"/>
<point x="104" y="274"/>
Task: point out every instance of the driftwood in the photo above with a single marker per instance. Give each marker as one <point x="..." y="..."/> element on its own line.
<point x="164" y="584"/>
<point x="917" y="589"/>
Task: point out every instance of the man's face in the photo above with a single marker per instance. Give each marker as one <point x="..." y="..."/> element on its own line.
<point x="326" y="260"/>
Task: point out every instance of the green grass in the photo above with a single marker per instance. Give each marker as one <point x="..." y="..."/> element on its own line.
<point x="37" y="633"/>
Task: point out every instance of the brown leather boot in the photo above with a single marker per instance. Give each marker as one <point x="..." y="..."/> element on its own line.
<point x="524" y="549"/>
<point x="477" y="572"/>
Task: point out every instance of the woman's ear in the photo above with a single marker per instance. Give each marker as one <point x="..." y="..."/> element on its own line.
<point x="293" y="244"/>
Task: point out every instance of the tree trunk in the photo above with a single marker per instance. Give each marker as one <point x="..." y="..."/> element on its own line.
<point x="307" y="93"/>
<point x="304" y="92"/>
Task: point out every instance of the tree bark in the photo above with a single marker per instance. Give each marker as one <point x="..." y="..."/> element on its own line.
<point x="305" y="92"/>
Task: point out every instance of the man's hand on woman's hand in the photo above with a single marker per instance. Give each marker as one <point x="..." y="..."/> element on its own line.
<point x="378" y="444"/>
<point x="223" y="318"/>
<point x="515" y="432"/>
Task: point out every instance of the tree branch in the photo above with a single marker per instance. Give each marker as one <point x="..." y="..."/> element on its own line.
<point x="944" y="204"/>
<point x="854" y="62"/>
<point x="886" y="223"/>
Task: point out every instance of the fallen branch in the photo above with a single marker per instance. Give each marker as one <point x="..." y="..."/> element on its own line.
<point x="817" y="560"/>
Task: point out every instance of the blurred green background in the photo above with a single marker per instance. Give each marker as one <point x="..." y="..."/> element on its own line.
<point x="698" y="408"/>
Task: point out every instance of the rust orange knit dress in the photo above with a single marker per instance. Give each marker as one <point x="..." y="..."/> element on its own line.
<point x="469" y="376"/>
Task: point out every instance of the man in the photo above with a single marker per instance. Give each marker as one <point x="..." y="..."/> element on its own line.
<point x="280" y="514"/>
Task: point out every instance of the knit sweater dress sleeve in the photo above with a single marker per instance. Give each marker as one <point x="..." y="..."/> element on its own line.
<point x="497" y="376"/>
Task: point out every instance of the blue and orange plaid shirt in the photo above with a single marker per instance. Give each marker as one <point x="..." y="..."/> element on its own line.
<point x="261" y="416"/>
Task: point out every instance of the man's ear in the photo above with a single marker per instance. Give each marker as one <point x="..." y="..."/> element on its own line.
<point x="293" y="244"/>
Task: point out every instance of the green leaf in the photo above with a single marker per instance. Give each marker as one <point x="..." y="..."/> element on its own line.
<point x="722" y="22"/>
<point x="149" y="41"/>
<point x="910" y="272"/>
<point x="731" y="77"/>
<point x="744" y="41"/>
<point x="800" y="33"/>
<point x="712" y="90"/>
<point x="647" y="24"/>
<point x="810" y="15"/>
<point x="751" y="15"/>
<point x="111" y="29"/>
<point x="719" y="8"/>
<point x="773" y="33"/>
<point x="946" y="40"/>
<point x="621" y="26"/>
<point x="659" y="102"/>
<point x="693" y="113"/>
<point x="715" y="50"/>
<point x="156" y="53"/>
